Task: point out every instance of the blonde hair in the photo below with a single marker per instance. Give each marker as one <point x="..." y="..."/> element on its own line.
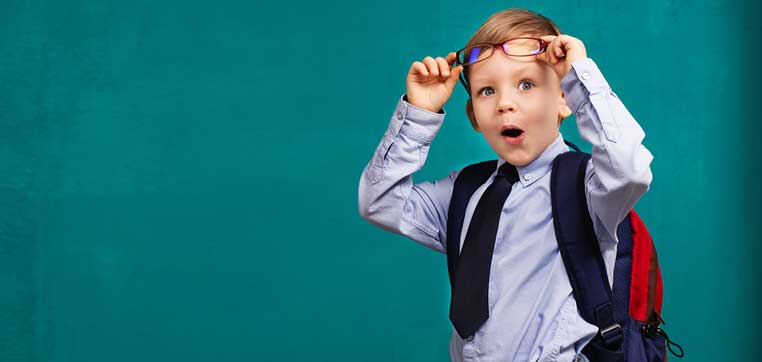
<point x="509" y="23"/>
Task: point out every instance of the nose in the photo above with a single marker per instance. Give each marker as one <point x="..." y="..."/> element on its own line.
<point x="506" y="104"/>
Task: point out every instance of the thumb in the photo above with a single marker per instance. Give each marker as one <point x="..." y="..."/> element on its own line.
<point x="453" y="79"/>
<point x="543" y="57"/>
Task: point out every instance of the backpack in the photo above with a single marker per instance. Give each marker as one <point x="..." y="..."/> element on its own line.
<point x="628" y="316"/>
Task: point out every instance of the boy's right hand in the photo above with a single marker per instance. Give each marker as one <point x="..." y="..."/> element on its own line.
<point x="430" y="83"/>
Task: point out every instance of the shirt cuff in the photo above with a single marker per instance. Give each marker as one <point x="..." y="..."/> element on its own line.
<point x="414" y="122"/>
<point x="583" y="80"/>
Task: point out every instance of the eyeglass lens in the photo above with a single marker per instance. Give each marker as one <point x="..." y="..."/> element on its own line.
<point x="513" y="47"/>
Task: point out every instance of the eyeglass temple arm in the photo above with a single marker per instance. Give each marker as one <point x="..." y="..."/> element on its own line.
<point x="463" y="81"/>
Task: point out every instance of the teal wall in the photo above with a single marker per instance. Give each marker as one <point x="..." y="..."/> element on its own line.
<point x="179" y="179"/>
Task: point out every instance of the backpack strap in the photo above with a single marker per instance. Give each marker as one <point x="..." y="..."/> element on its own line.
<point x="579" y="246"/>
<point x="469" y="179"/>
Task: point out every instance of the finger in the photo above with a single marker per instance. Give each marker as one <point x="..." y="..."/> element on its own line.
<point x="566" y="42"/>
<point x="454" y="75"/>
<point x="444" y="68"/>
<point x="451" y="58"/>
<point x="558" y="50"/>
<point x="551" y="52"/>
<point x="543" y="56"/>
<point x="419" y="68"/>
<point x="563" y="40"/>
<point x="548" y="38"/>
<point x="431" y="65"/>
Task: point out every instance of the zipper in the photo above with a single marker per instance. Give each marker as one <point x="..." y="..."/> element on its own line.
<point x="651" y="328"/>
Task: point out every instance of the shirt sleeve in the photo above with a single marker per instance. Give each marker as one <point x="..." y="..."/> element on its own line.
<point x="619" y="171"/>
<point x="387" y="196"/>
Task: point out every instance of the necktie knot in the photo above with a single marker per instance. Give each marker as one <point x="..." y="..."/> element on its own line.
<point x="509" y="172"/>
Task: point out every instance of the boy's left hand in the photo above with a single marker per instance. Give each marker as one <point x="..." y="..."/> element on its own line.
<point x="562" y="51"/>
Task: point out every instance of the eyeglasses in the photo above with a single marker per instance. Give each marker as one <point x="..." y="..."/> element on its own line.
<point x="516" y="47"/>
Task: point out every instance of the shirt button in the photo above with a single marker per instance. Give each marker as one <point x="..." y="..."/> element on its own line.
<point x="399" y="115"/>
<point x="527" y="177"/>
<point x="586" y="75"/>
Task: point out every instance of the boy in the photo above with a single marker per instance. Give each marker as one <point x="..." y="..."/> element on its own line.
<point x="521" y="89"/>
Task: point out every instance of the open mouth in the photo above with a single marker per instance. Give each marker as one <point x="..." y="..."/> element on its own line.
<point x="513" y="134"/>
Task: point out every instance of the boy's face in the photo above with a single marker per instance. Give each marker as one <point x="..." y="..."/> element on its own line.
<point x="517" y="104"/>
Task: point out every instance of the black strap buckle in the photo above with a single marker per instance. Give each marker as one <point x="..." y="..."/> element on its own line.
<point x="612" y="335"/>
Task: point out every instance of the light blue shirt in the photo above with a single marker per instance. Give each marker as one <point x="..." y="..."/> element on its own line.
<point x="532" y="313"/>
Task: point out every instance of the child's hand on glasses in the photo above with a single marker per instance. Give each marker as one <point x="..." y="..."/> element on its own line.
<point x="430" y="83"/>
<point x="562" y="51"/>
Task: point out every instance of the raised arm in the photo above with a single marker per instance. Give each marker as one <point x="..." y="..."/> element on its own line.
<point x="387" y="196"/>
<point x="619" y="172"/>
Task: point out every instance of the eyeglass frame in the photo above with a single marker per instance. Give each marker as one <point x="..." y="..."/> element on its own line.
<point x="543" y="47"/>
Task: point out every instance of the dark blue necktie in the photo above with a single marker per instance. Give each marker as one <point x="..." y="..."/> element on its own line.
<point x="468" y="305"/>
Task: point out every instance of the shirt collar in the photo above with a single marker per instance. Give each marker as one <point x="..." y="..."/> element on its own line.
<point x="541" y="165"/>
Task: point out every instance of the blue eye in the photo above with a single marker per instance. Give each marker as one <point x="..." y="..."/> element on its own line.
<point x="524" y="83"/>
<point x="484" y="91"/>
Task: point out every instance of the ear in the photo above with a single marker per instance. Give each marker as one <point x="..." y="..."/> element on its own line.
<point x="471" y="117"/>
<point x="563" y="109"/>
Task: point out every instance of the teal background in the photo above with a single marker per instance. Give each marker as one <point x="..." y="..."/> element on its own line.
<point x="179" y="179"/>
